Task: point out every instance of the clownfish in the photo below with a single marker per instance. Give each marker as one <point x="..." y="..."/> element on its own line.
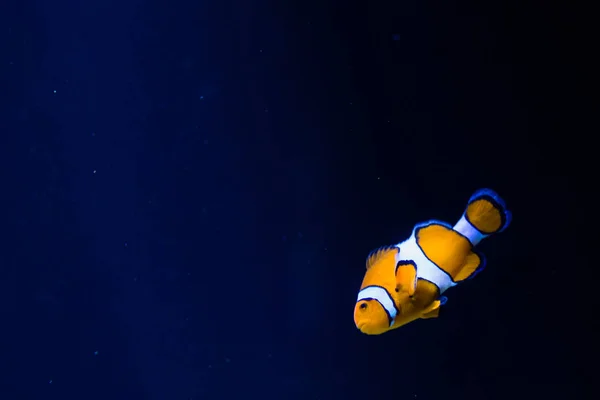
<point x="405" y="282"/>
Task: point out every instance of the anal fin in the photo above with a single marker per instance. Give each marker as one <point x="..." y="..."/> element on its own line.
<point x="431" y="314"/>
<point x="433" y="311"/>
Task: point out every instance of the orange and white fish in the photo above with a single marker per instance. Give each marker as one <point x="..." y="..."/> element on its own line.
<point x="405" y="282"/>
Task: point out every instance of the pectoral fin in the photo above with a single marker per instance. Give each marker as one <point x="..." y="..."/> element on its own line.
<point x="406" y="276"/>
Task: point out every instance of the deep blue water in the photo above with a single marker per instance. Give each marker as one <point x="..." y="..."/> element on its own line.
<point x="190" y="188"/>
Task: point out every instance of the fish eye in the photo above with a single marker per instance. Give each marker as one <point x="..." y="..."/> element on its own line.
<point x="363" y="306"/>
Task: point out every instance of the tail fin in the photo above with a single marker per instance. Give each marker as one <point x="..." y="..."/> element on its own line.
<point x="485" y="215"/>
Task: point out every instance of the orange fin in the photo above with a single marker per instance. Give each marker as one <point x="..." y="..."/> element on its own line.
<point x="431" y="314"/>
<point x="473" y="264"/>
<point x="379" y="254"/>
<point x="406" y="277"/>
<point x="487" y="212"/>
<point x="433" y="311"/>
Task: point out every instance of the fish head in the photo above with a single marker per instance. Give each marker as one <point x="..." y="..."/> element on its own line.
<point x="375" y="308"/>
<point x="371" y="317"/>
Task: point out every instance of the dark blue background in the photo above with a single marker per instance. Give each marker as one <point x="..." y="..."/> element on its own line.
<point x="189" y="190"/>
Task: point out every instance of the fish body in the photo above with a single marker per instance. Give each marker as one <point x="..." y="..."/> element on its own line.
<point x="406" y="281"/>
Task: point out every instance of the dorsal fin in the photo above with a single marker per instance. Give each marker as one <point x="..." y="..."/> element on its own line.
<point x="445" y="247"/>
<point x="474" y="263"/>
<point x="379" y="253"/>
